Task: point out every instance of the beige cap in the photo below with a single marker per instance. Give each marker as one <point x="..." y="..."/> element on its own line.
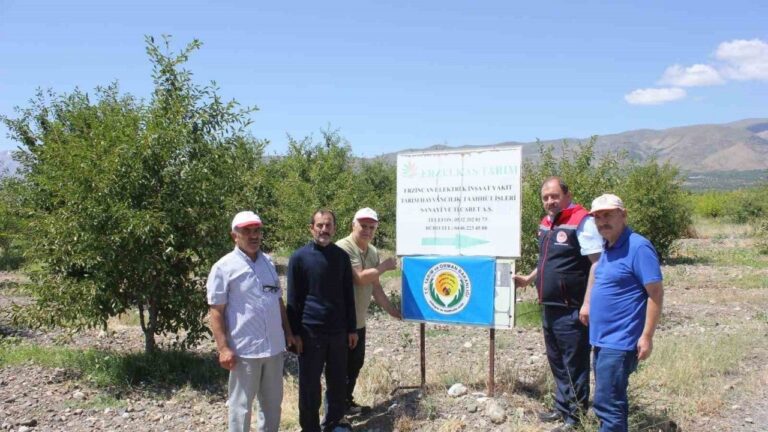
<point x="366" y="213"/>
<point x="607" y="202"/>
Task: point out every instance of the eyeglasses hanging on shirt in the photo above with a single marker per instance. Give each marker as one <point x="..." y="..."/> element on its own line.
<point x="270" y="288"/>
<point x="276" y="281"/>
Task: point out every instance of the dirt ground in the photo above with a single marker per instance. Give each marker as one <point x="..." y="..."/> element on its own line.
<point x="699" y="300"/>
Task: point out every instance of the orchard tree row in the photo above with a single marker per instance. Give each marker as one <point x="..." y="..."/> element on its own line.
<point x="123" y="204"/>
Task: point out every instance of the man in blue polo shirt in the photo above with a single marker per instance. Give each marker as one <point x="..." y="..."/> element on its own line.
<point x="623" y="306"/>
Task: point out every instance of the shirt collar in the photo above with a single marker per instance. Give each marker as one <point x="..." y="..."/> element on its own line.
<point x="557" y="216"/>
<point x="621" y="240"/>
<point x="316" y="246"/>
<point x="242" y="255"/>
<point x="351" y="240"/>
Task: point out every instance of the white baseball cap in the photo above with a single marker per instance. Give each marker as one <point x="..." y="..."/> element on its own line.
<point x="245" y="218"/>
<point x="606" y="202"/>
<point x="366" y="213"/>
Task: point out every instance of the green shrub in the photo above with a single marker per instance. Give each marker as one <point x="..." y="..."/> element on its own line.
<point x="528" y="314"/>
<point x="709" y="204"/>
<point x="112" y="369"/>
<point x="656" y="204"/>
<point x="738" y="206"/>
<point x="748" y="204"/>
<point x="760" y="228"/>
<point x="11" y="221"/>
<point x="658" y="207"/>
<point x="587" y="177"/>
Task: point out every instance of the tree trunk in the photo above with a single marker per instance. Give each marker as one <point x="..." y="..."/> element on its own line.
<point x="148" y="326"/>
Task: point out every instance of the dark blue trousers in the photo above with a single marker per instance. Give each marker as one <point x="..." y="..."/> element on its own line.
<point x="322" y="352"/>
<point x="611" y="404"/>
<point x="567" y="342"/>
<point x="355" y="360"/>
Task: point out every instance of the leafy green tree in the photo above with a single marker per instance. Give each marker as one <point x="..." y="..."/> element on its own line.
<point x="324" y="173"/>
<point x="11" y="221"/>
<point x="587" y="177"/>
<point x="129" y="203"/>
<point x="311" y="175"/>
<point x="657" y="205"/>
<point x="375" y="186"/>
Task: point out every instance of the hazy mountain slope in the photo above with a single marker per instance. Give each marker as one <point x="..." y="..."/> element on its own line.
<point x="737" y="146"/>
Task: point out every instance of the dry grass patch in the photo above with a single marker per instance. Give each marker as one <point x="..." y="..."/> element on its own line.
<point x="720" y="253"/>
<point x="452" y="425"/>
<point x="537" y="385"/>
<point x="707" y="228"/>
<point x="694" y="277"/>
<point x="471" y="374"/>
<point x="376" y="381"/>
<point x="507" y="379"/>
<point x="688" y="374"/>
<point x="406" y="424"/>
<point x="289" y="419"/>
<point x="731" y="296"/>
<point x="126" y="319"/>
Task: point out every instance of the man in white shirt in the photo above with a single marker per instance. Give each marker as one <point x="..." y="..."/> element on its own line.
<point x="250" y="326"/>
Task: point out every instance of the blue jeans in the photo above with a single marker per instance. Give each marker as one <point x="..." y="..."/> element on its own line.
<point x="612" y="370"/>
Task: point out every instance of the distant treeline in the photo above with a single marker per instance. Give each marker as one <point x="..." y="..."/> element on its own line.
<point x="737" y="206"/>
<point x="724" y="180"/>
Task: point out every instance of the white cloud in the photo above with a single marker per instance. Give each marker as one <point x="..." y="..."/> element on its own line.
<point x="745" y="59"/>
<point x="694" y="76"/>
<point x="654" y="96"/>
<point x="738" y="59"/>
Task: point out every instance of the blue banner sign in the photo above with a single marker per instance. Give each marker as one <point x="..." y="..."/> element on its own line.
<point x="449" y="289"/>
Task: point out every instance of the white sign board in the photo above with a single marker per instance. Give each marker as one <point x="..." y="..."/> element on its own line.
<point x="459" y="202"/>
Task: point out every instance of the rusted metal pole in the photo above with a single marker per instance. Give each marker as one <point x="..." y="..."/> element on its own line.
<point x="491" y="361"/>
<point x="422" y="358"/>
<point x="422" y="343"/>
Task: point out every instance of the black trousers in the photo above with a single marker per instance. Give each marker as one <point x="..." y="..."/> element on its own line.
<point x="355" y="360"/>
<point x="568" y="349"/>
<point x="322" y="352"/>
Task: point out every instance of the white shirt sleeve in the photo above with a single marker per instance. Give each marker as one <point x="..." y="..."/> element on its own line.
<point x="216" y="287"/>
<point x="589" y="238"/>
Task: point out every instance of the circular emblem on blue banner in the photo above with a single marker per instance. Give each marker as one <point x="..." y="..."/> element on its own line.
<point x="447" y="288"/>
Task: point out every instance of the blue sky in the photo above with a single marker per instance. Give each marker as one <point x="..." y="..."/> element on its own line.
<point x="397" y="75"/>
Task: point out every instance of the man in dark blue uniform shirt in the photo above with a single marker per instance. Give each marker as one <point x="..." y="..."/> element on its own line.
<point x="569" y="245"/>
<point x="321" y="311"/>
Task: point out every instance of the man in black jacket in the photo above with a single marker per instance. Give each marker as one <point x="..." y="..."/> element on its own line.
<point x="569" y="245"/>
<point x="321" y="311"/>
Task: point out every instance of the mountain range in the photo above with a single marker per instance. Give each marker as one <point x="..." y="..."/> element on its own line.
<point x="740" y="146"/>
<point x="737" y="146"/>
